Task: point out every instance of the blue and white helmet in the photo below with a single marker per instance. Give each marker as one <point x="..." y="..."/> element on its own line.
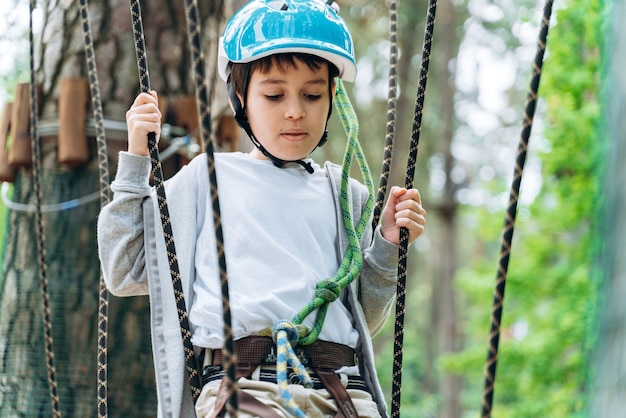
<point x="267" y="27"/>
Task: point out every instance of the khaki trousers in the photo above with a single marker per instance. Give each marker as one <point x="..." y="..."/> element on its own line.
<point x="314" y="403"/>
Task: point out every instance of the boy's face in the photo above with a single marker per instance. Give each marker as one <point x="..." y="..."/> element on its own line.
<point x="287" y="109"/>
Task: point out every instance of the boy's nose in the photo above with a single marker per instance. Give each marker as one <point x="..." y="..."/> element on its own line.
<point x="294" y="110"/>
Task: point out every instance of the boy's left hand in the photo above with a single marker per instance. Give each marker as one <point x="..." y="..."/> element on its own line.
<point x="403" y="210"/>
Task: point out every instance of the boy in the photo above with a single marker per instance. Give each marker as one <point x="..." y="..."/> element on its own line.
<point x="282" y="225"/>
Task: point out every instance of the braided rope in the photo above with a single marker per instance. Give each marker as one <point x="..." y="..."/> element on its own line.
<point x="391" y="111"/>
<point x="404" y="235"/>
<point x="105" y="198"/>
<point x="286" y="333"/>
<point x="509" y="222"/>
<point x="183" y="317"/>
<point x="41" y="237"/>
<point x="197" y="57"/>
<point x="352" y="262"/>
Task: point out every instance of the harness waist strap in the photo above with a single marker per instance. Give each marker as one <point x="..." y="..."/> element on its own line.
<point x="262" y="350"/>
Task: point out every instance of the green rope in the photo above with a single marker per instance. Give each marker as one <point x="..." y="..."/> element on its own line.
<point x="328" y="290"/>
<point x="287" y="334"/>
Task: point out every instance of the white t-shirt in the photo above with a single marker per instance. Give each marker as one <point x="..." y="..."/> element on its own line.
<point x="280" y="233"/>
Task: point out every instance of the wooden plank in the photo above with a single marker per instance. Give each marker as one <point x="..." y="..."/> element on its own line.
<point x="20" y="148"/>
<point x="7" y="172"/>
<point x="72" y="141"/>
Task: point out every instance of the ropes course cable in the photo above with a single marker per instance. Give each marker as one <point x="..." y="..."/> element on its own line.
<point x="157" y="172"/>
<point x="41" y="238"/>
<point x="391" y="111"/>
<point x="105" y="198"/>
<point x="197" y="57"/>
<point x="509" y="222"/>
<point x="404" y="235"/>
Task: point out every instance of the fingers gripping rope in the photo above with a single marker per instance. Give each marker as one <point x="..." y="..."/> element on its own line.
<point x="398" y="341"/>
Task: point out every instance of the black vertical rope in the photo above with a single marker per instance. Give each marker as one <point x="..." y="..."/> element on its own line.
<point x="183" y="317"/>
<point x="41" y="238"/>
<point x="509" y="222"/>
<point x="202" y="96"/>
<point x="404" y="235"/>
<point x="105" y="198"/>
<point x="391" y="111"/>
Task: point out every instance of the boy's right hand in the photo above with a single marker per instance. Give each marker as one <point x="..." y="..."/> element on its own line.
<point x="142" y="118"/>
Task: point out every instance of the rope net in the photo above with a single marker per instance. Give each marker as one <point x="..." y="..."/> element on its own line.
<point x="73" y="275"/>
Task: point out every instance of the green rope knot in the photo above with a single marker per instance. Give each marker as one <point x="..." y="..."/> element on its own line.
<point x="290" y="330"/>
<point x="285" y="333"/>
<point x="352" y="261"/>
<point x="328" y="289"/>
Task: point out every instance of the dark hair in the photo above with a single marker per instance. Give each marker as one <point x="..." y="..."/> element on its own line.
<point x="240" y="72"/>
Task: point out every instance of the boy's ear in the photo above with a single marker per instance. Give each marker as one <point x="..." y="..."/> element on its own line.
<point x="234" y="100"/>
<point x="230" y="104"/>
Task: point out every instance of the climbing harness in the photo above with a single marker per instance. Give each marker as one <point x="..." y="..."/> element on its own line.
<point x="509" y="222"/>
<point x="36" y="158"/>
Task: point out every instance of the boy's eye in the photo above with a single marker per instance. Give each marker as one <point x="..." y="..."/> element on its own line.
<point x="273" y="97"/>
<point x="313" y="96"/>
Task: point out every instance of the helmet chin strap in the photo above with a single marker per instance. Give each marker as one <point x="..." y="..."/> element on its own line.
<point x="277" y="161"/>
<point x="242" y="121"/>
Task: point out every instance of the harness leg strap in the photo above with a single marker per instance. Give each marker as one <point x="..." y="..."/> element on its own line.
<point x="345" y="406"/>
<point x="246" y="402"/>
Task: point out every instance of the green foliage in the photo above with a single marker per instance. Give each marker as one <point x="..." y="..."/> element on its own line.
<point x="3" y="224"/>
<point x="550" y="292"/>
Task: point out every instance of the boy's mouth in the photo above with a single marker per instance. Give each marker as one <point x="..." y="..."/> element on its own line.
<point x="294" y="134"/>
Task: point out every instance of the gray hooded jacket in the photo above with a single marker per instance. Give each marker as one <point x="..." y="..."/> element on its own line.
<point x="134" y="262"/>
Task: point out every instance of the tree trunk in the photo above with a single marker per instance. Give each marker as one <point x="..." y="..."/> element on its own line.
<point x="446" y="320"/>
<point x="72" y="263"/>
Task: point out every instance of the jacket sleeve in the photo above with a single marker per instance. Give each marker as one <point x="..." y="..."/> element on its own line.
<point x="378" y="280"/>
<point x="121" y="228"/>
